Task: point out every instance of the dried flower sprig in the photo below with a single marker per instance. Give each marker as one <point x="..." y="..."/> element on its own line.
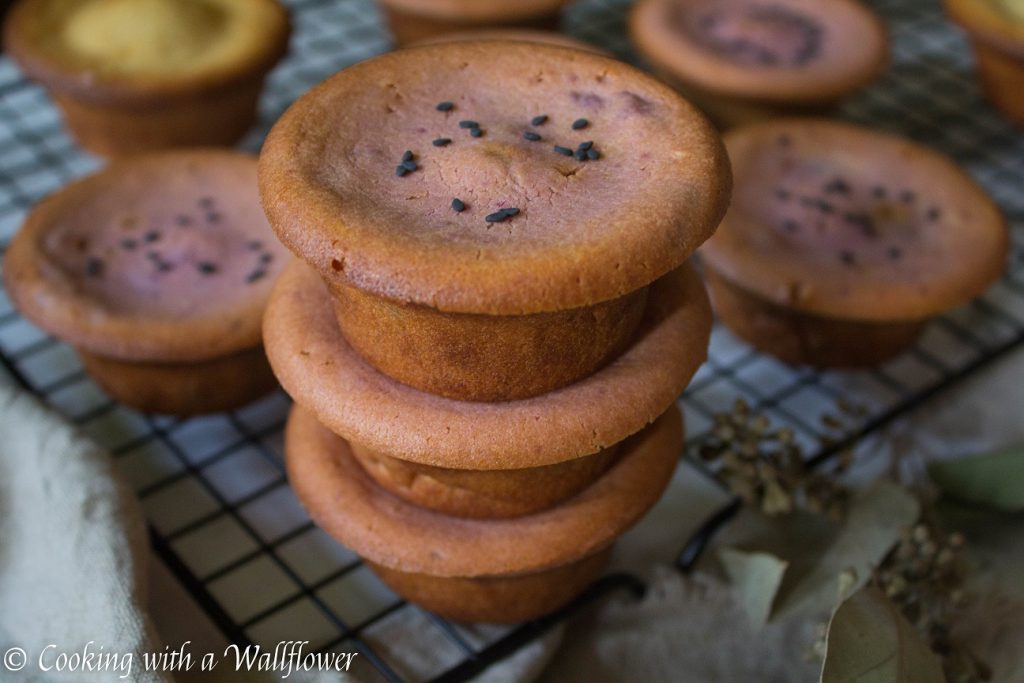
<point x="766" y="466"/>
<point x="924" y="576"/>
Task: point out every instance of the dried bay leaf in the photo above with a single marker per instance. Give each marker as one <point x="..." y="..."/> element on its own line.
<point x="995" y="480"/>
<point x="756" y="578"/>
<point x="869" y="641"/>
<point x="818" y="550"/>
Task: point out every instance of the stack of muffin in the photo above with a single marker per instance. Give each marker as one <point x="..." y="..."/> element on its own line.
<point x="493" y="318"/>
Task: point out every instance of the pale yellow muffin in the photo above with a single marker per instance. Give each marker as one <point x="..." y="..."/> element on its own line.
<point x="144" y="74"/>
<point x="996" y="31"/>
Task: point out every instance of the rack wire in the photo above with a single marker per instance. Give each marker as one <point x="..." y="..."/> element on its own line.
<point x="220" y="512"/>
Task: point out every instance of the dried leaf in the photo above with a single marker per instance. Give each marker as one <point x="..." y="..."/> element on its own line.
<point x="756" y="578"/>
<point x="869" y="641"/>
<point x="819" y="550"/>
<point x="994" y="480"/>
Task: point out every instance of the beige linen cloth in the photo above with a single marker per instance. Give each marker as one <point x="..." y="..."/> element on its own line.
<point x="73" y="557"/>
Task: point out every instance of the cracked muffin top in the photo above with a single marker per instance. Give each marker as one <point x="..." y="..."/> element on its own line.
<point x="162" y="257"/>
<point x="496" y="178"/>
<point x="767" y="49"/>
<point x="106" y="47"/>
<point x="838" y="220"/>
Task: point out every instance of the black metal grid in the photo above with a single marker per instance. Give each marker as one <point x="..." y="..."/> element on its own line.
<point x="221" y="515"/>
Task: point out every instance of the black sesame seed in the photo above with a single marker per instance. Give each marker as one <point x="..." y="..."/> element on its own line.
<point x="934" y="213"/>
<point x="531" y="136"/>
<point x="408" y="155"/>
<point x="580" y="124"/>
<point x="442" y="142"/>
<point x="266" y="258"/>
<point x="255" y="276"/>
<point x="593" y="154"/>
<point x="254" y="245"/>
<point x="129" y="244"/>
<point x="878" y="192"/>
<point x="496" y="217"/>
<point x="476" y="132"/>
<point x="164" y="267"/>
<point x="837" y="186"/>
<point x="908" y="197"/>
<point x="401" y="171"/>
<point x="213" y="217"/>
<point x="581" y="155"/>
<point x="586" y="145"/>
<point x="458" y="206"/>
<point x="895" y="253"/>
<point x="206" y="202"/>
<point x="151" y="236"/>
<point x="468" y="124"/>
<point x="183" y="221"/>
<point x="847" y="258"/>
<point x="782" y="194"/>
<point x="785" y="141"/>
<point x="564" y="151"/>
<point x="511" y="211"/>
<point x="539" y="120"/>
<point x="789" y="225"/>
<point x="206" y="268"/>
<point x="410" y="165"/>
<point x="94" y="267"/>
<point x="445" y="106"/>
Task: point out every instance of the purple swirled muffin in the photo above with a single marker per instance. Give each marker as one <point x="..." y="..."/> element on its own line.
<point x="743" y="60"/>
<point x="156" y="269"/>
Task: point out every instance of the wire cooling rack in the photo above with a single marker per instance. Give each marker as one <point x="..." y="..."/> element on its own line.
<point x="221" y="514"/>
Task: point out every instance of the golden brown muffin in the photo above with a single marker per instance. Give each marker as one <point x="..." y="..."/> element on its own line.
<point x="484" y="459"/>
<point x="414" y="20"/>
<point x="747" y="60"/>
<point x="156" y="269"/>
<point x="996" y="30"/>
<point x="138" y="75"/>
<point x="483" y="494"/>
<point x="327" y="377"/>
<point x="841" y="242"/>
<point x="509" y="253"/>
<point x="479" y="570"/>
<point x="514" y="34"/>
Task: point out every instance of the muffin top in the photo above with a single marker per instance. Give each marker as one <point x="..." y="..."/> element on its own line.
<point x="352" y="508"/>
<point x="837" y="220"/>
<point x="493" y="177"/>
<point x="134" y="47"/>
<point x="768" y="49"/>
<point x="999" y="21"/>
<point x="476" y="11"/>
<point x="165" y="257"/>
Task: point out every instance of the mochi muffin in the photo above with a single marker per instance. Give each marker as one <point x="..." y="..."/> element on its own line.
<point x="414" y="20"/>
<point x="996" y="30"/>
<point x="157" y="270"/>
<point x="479" y="570"/>
<point x="489" y="216"/>
<point x="746" y="60"/>
<point x="138" y="75"/>
<point x="842" y="243"/>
